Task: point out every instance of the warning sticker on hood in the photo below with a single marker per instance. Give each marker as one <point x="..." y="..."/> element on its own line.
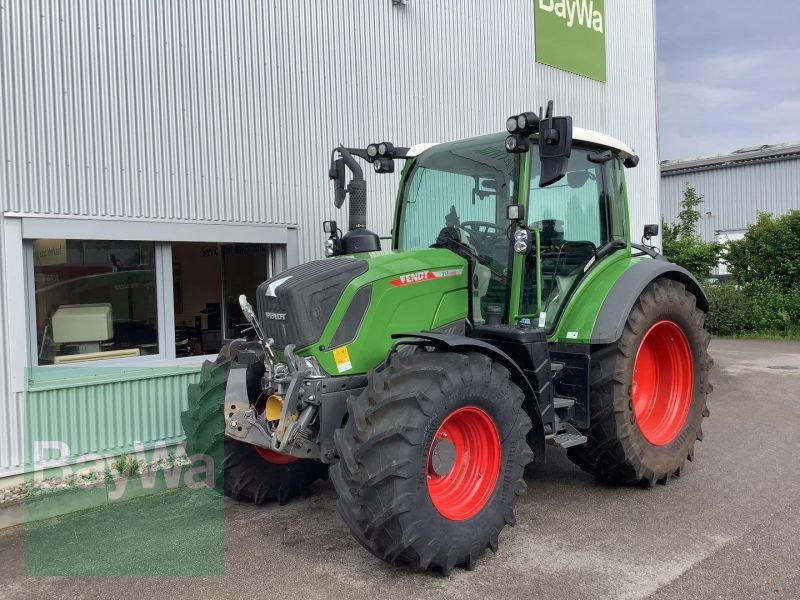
<point x="420" y="276"/>
<point x="342" y="359"/>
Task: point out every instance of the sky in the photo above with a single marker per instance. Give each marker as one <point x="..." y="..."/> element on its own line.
<point x="728" y="75"/>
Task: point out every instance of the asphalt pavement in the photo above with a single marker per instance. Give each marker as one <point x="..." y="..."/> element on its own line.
<point x="728" y="528"/>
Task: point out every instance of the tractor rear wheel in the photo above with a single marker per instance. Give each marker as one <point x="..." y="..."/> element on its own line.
<point x="431" y="459"/>
<point x="242" y="471"/>
<point x="648" y="391"/>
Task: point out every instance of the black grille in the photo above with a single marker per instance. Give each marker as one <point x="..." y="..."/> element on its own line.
<point x="295" y="305"/>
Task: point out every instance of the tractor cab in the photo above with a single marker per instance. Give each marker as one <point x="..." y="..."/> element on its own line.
<point x="529" y="242"/>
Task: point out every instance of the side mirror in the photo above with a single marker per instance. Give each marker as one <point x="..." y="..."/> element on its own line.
<point x="329" y="227"/>
<point x="555" y="148"/>
<point x="650" y="231"/>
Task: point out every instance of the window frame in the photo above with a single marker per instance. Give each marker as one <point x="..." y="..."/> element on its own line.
<point x="165" y="302"/>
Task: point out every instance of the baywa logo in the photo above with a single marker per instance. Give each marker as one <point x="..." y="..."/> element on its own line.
<point x="580" y="12"/>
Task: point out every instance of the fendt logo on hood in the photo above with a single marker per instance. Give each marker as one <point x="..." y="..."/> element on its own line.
<point x="582" y="12"/>
<point x="419" y="276"/>
<point x="273" y="316"/>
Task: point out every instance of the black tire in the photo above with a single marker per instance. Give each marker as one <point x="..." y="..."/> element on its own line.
<point x="381" y="476"/>
<point x="239" y="470"/>
<point x="617" y="452"/>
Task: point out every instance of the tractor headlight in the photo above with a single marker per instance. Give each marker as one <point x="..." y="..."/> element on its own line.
<point x="516" y="144"/>
<point x="522" y="122"/>
<point x="511" y="124"/>
<point x="329" y="246"/>
<point x="522" y="241"/>
<point x="372" y="150"/>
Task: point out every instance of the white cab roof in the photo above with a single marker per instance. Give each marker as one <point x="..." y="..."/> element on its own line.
<point x="578" y="134"/>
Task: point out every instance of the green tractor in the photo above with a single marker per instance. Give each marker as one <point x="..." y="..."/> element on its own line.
<point x="511" y="312"/>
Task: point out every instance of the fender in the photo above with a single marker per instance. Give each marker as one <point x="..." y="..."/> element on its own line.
<point x="536" y="438"/>
<point x="620" y="300"/>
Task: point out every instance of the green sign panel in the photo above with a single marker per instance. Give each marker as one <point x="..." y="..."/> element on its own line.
<point x="571" y="35"/>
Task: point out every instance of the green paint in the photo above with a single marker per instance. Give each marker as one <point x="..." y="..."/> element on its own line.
<point x="420" y="302"/>
<point x="518" y="264"/>
<point x="581" y="311"/>
<point x="570" y="35"/>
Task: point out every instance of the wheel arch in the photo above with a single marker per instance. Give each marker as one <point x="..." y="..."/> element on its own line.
<point x="463" y="343"/>
<point x="626" y="290"/>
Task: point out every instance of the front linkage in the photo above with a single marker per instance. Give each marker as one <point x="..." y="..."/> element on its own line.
<point x="285" y="416"/>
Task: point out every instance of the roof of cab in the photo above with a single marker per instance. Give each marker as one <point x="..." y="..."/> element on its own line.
<point x="578" y="134"/>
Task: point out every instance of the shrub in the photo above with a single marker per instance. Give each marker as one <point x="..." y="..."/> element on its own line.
<point x="770" y="251"/>
<point x="730" y="311"/>
<point x="774" y="310"/>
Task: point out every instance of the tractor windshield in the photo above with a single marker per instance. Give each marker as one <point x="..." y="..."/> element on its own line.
<point x="466" y="186"/>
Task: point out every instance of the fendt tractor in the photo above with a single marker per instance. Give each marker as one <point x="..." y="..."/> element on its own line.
<point x="511" y="312"/>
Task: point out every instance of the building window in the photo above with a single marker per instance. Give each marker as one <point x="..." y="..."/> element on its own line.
<point x="95" y="300"/>
<point x="207" y="281"/>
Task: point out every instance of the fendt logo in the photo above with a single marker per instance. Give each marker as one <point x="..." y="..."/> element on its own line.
<point x="275" y="316"/>
<point x="409" y="278"/>
<point x="582" y="12"/>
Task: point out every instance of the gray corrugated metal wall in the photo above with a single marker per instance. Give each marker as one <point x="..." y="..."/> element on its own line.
<point x="10" y="422"/>
<point x="226" y="111"/>
<point x="735" y="195"/>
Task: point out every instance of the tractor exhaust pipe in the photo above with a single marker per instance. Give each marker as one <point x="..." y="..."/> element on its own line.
<point x="357" y="188"/>
<point x="357" y="238"/>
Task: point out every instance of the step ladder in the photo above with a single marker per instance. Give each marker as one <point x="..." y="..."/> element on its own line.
<point x="568" y="438"/>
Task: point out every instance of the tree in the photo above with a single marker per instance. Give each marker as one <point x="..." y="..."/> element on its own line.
<point x="683" y="245"/>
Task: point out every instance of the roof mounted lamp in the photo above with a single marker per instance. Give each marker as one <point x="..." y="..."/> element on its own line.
<point x="555" y="141"/>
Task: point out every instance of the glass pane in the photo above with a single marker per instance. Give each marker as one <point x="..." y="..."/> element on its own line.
<point x="197" y="288"/>
<point x="245" y="266"/>
<point x="95" y="300"/>
<point x="465" y="186"/>
<point x="569" y="210"/>
<point x="571" y="218"/>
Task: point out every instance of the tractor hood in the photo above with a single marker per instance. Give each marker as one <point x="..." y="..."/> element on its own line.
<point x="344" y="310"/>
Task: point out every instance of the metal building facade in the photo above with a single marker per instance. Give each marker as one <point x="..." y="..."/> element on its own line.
<point x="736" y="187"/>
<point x="167" y="120"/>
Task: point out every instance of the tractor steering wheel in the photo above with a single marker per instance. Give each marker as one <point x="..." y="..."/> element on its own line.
<point x="485" y="236"/>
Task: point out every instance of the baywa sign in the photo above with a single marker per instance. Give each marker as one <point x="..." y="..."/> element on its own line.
<point x="570" y="35"/>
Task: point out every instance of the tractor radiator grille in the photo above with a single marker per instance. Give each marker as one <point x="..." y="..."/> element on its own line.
<point x="294" y="306"/>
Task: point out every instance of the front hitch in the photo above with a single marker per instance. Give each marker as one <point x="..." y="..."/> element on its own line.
<point x="290" y="434"/>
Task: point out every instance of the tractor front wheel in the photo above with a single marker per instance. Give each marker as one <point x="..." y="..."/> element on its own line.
<point x="432" y="459"/>
<point x="648" y="391"/>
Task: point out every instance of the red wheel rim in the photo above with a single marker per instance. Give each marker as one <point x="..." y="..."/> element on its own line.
<point x="276" y="458"/>
<point x="662" y="384"/>
<point x="462" y="492"/>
